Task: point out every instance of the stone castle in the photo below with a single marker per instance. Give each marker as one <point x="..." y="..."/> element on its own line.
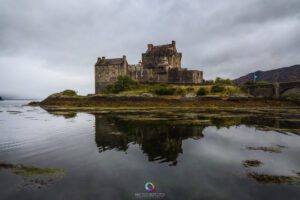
<point x="160" y="64"/>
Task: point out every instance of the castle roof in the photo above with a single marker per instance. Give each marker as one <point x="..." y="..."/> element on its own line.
<point x="110" y="61"/>
<point x="166" y="49"/>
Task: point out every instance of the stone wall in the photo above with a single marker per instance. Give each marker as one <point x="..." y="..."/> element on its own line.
<point x="155" y="54"/>
<point x="151" y="61"/>
<point x="184" y="76"/>
<point x="107" y="75"/>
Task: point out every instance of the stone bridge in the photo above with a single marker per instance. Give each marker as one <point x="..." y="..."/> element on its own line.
<point x="275" y="90"/>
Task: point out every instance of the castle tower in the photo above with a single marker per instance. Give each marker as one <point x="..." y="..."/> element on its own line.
<point x="107" y="71"/>
<point x="154" y="54"/>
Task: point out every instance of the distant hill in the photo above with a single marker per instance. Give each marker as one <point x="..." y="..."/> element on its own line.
<point x="12" y="97"/>
<point x="284" y="74"/>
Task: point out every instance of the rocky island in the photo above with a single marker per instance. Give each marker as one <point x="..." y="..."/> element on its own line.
<point x="68" y="100"/>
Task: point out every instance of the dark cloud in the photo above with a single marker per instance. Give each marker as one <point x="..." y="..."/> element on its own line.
<point x="47" y="46"/>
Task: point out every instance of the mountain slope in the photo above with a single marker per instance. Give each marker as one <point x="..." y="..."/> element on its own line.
<point x="284" y="74"/>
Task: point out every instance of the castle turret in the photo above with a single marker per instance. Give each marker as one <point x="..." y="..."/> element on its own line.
<point x="107" y="71"/>
<point x="125" y="65"/>
<point x="173" y="43"/>
<point x="150" y="46"/>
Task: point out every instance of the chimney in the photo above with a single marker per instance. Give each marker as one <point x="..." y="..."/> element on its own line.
<point x="125" y="66"/>
<point x="150" y="46"/>
<point x="173" y="43"/>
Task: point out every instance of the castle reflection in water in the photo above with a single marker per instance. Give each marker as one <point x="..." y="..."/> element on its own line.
<point x="161" y="140"/>
<point x="161" y="143"/>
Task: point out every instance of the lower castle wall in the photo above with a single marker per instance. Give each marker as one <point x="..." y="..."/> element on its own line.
<point x="185" y="76"/>
<point x="107" y="75"/>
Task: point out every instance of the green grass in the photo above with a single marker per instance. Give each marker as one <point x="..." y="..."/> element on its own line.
<point x="34" y="171"/>
<point x="69" y="93"/>
<point x="181" y="90"/>
<point x="22" y="170"/>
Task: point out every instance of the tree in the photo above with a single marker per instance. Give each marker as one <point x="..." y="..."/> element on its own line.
<point x="217" y="88"/>
<point x="202" y="92"/>
<point x="221" y="81"/>
<point x="164" y="90"/>
<point x="123" y="83"/>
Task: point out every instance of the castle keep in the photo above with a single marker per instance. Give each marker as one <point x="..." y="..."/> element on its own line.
<point x="160" y="64"/>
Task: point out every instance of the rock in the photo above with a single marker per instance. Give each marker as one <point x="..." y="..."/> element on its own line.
<point x="34" y="103"/>
<point x="55" y="95"/>
<point x="147" y="95"/>
<point x="252" y="163"/>
<point x="190" y="95"/>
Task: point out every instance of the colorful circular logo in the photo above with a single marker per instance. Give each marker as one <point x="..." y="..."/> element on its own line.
<point x="150" y="187"/>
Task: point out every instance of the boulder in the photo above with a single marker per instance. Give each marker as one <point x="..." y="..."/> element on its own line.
<point x="148" y="95"/>
<point x="191" y="95"/>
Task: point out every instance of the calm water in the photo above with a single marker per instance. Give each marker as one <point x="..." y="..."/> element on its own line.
<point x="112" y="157"/>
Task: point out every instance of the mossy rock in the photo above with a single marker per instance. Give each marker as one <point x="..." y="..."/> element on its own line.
<point x="266" y="149"/>
<point x="265" y="178"/>
<point x="252" y="163"/>
<point x="23" y="170"/>
<point x="69" y="93"/>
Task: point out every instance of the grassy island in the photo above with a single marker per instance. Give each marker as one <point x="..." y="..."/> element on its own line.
<point x="126" y="94"/>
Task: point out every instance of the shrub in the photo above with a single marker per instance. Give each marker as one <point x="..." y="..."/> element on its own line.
<point x="217" y="88"/>
<point x="69" y="93"/>
<point x="207" y="82"/>
<point x="248" y="83"/>
<point x="190" y="89"/>
<point x="180" y="91"/>
<point x="123" y="83"/>
<point x="202" y="92"/>
<point x="164" y="90"/>
<point x="220" y="81"/>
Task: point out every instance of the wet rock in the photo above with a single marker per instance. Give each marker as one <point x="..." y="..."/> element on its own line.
<point x="14" y="112"/>
<point x="265" y="178"/>
<point x="34" y="103"/>
<point x="33" y="177"/>
<point x="266" y="149"/>
<point x="281" y="146"/>
<point x="252" y="163"/>
<point x="65" y="114"/>
<point x="23" y="170"/>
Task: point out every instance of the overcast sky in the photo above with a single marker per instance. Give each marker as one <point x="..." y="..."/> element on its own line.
<point x="50" y="45"/>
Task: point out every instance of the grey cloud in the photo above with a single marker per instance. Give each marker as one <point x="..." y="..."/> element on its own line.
<point x="55" y="43"/>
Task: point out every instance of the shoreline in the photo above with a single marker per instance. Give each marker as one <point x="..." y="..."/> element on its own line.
<point x="96" y="103"/>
